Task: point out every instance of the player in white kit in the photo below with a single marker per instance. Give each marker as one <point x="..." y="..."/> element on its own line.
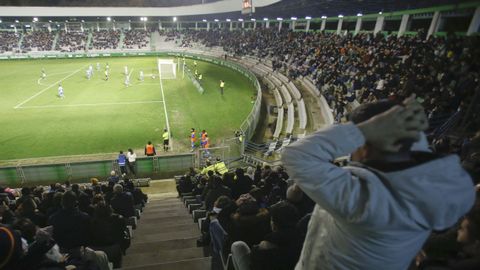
<point x="60" y="92"/>
<point x="141" y="76"/>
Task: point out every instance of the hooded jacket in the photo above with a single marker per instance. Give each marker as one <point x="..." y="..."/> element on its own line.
<point x="372" y="219"/>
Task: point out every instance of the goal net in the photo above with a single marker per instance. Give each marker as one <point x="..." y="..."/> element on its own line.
<point x="167" y="69"/>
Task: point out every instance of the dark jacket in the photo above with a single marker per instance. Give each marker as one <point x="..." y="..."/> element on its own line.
<point x="284" y="254"/>
<point x="122" y="204"/>
<point x="213" y="195"/>
<point x="108" y="231"/>
<point x="71" y="228"/>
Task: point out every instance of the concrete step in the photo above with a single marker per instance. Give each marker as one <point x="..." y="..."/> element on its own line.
<point x="174" y="225"/>
<point x="162" y="236"/>
<point x="162" y="256"/>
<point x="163" y="218"/>
<point x="192" y="264"/>
<point x="162" y="245"/>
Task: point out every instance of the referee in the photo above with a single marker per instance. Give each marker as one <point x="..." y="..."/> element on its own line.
<point x="166" y="139"/>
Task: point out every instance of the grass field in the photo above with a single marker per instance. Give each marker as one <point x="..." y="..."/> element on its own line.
<point x="98" y="116"/>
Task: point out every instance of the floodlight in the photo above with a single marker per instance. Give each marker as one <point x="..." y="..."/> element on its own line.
<point x="359" y="14"/>
<point x="293" y="18"/>
<point x="340" y="16"/>
<point x="253" y="19"/>
<point x="204" y="20"/>
<point x="145" y="19"/>
<point x="240" y="20"/>
<point x="50" y="21"/>
<point x="0" y="21"/>
<point x="27" y="25"/>
<point x="324" y="17"/>
<point x="216" y="20"/>
<point x="308" y="18"/>
<point x="35" y="19"/>
<point x="16" y="21"/>
<point x="380" y="13"/>
<point x="228" y="20"/>
<point x="109" y="19"/>
<point x="265" y="19"/>
<point x="83" y="21"/>
<point x="11" y="25"/>
<point x="279" y="19"/>
<point x="66" y="20"/>
<point x="174" y="19"/>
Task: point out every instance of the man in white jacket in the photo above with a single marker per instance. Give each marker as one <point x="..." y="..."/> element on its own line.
<point x="378" y="214"/>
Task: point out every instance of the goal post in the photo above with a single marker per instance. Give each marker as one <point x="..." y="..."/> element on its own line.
<point x="167" y="69"/>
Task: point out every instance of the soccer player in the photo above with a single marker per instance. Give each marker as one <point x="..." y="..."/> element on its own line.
<point x="222" y="86"/>
<point x="195" y="64"/>
<point x="196" y="73"/>
<point x="203" y="136"/>
<point x="90" y="67"/>
<point x="206" y="145"/>
<point x="200" y="77"/>
<point x="107" y="67"/>
<point x="127" y="80"/>
<point x="89" y="74"/>
<point x="126" y="70"/>
<point x="106" y="74"/>
<point x="166" y="139"/>
<point x="44" y="74"/>
<point x="141" y="75"/>
<point x="192" y="138"/>
<point x="60" y="91"/>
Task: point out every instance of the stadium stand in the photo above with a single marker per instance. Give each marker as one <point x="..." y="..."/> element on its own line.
<point x="8" y="41"/>
<point x="105" y="39"/>
<point x="71" y="41"/>
<point x="136" y="39"/>
<point x="37" y="41"/>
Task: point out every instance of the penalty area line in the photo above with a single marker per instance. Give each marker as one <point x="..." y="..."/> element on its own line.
<point x="92" y="104"/>
<point x="46" y="88"/>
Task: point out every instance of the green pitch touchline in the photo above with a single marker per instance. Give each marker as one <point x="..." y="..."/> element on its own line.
<point x="48" y="87"/>
<point x="164" y="104"/>
<point x="90" y="104"/>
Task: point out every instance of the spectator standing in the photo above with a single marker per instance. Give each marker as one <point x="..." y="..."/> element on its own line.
<point x="132" y="159"/>
<point x="122" y="163"/>
<point x="380" y="212"/>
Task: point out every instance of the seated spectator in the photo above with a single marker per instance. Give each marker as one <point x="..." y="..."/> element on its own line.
<point x="279" y="249"/>
<point x="242" y="184"/>
<point x="250" y="223"/>
<point x="185" y="185"/>
<point x="85" y="204"/>
<point x="71" y="227"/>
<point x="108" y="233"/>
<point x="379" y="212"/>
<point x="217" y="190"/>
<point x="122" y="202"/>
<point x="467" y="254"/>
<point x="28" y="209"/>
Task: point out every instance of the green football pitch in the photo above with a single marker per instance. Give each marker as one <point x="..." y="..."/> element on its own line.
<point x="99" y="116"/>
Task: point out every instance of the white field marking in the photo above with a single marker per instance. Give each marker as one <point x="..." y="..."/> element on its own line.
<point x="91" y="104"/>
<point x="46" y="88"/>
<point x="164" y="106"/>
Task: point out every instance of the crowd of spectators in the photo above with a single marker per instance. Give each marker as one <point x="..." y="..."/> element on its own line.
<point x="8" y="41"/>
<point x="136" y="39"/>
<point x="71" y="41"/>
<point x="40" y="40"/>
<point x="441" y="71"/>
<point x="81" y="225"/>
<point x="105" y="39"/>
<point x="261" y="216"/>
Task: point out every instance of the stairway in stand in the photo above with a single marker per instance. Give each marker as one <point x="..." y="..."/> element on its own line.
<point x="165" y="238"/>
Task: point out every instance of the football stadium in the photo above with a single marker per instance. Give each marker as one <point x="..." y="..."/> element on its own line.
<point x="240" y="134"/>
